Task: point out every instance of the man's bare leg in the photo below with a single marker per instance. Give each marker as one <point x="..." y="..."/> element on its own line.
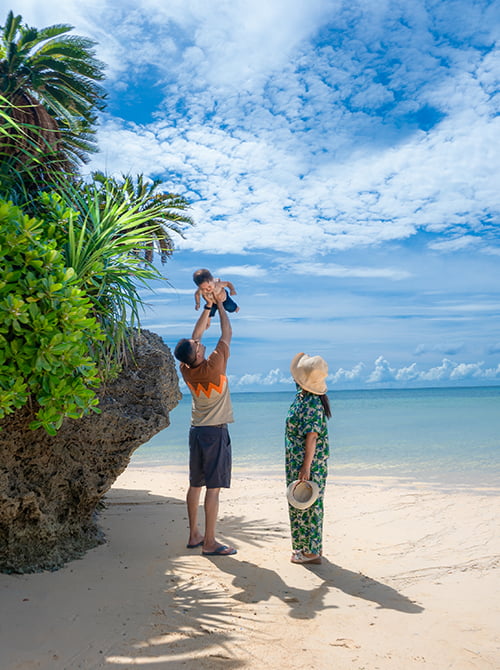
<point x="210" y="544"/>
<point x="193" y="503"/>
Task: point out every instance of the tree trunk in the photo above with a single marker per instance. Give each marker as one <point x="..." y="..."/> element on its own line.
<point x="50" y="487"/>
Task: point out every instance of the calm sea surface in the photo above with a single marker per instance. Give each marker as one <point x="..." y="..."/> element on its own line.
<point x="438" y="435"/>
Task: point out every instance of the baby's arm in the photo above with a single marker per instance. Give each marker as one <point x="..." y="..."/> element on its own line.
<point x="197" y="294"/>
<point x="225" y="284"/>
<point x="231" y="288"/>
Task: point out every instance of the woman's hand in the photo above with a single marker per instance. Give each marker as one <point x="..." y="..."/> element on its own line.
<point x="304" y="474"/>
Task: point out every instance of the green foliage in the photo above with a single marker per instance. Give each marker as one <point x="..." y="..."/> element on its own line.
<point x="52" y="79"/>
<point x="26" y="156"/>
<point x="101" y="238"/>
<point x="166" y="211"/>
<point x="45" y="327"/>
<point x="70" y="277"/>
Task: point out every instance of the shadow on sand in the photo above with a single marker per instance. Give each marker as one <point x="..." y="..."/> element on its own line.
<point x="306" y="603"/>
<point x="197" y="615"/>
<point x="139" y="599"/>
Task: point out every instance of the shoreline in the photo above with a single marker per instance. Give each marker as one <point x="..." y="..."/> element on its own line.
<point x="446" y="482"/>
<point x="406" y="582"/>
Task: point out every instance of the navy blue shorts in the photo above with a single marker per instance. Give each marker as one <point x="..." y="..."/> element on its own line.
<point x="210" y="456"/>
<point x="228" y="304"/>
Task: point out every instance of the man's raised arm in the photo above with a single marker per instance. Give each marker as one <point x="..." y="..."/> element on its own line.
<point x="225" y="325"/>
<point x="201" y="325"/>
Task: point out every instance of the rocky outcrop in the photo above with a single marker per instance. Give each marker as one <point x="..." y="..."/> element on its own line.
<point x="50" y="487"/>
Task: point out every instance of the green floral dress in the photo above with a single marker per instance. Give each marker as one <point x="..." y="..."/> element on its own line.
<point x="306" y="415"/>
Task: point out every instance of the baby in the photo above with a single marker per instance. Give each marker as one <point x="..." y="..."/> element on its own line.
<point x="212" y="289"/>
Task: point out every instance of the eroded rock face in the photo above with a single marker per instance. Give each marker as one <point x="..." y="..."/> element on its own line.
<point x="50" y="487"/>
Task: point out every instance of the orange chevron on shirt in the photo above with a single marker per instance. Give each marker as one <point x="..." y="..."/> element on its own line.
<point x="200" y="388"/>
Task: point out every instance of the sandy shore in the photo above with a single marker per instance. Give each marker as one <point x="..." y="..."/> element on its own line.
<point x="410" y="580"/>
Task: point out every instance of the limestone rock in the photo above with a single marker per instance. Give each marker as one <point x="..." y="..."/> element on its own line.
<point x="50" y="487"/>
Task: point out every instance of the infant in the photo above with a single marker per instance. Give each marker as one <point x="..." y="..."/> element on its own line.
<point x="213" y="289"/>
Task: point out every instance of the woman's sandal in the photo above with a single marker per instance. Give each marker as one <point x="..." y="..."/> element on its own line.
<point x="300" y="558"/>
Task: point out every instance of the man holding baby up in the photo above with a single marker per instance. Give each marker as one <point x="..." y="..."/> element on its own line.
<point x="209" y="442"/>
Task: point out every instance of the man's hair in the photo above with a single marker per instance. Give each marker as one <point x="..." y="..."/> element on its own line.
<point x="201" y="276"/>
<point x="184" y="351"/>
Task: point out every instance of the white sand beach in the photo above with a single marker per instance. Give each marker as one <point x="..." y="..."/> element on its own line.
<point x="410" y="580"/>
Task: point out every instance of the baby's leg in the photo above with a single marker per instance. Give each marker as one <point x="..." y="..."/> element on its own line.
<point x="229" y="304"/>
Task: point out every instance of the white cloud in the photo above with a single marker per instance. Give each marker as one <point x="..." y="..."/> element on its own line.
<point x="449" y="349"/>
<point x="383" y="373"/>
<point x="334" y="270"/>
<point x="455" y="244"/>
<point x="272" y="378"/>
<point x="269" y="168"/>
<point x="243" y="270"/>
<point x="483" y="306"/>
<point x="353" y="375"/>
<point x="169" y="291"/>
<point x="355" y="134"/>
<point x="407" y="374"/>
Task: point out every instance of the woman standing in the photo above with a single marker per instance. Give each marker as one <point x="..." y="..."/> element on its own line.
<point x="306" y="452"/>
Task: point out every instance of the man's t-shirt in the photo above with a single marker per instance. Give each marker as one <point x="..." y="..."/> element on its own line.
<point x="209" y="389"/>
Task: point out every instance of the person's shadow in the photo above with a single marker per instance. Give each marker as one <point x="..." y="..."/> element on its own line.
<point x="258" y="584"/>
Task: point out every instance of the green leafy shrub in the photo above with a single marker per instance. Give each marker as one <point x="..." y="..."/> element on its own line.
<point x="45" y="327"/>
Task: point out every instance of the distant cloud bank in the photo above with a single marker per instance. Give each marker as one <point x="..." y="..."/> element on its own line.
<point x="382" y="373"/>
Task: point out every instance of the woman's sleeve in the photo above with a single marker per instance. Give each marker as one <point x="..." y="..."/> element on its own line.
<point x="311" y="416"/>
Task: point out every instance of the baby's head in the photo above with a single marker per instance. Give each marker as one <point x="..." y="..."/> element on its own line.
<point x="202" y="276"/>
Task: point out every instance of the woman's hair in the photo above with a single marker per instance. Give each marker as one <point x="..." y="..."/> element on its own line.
<point x="326" y="405"/>
<point x="324" y="401"/>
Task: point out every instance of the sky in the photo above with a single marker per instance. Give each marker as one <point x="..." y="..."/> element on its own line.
<point x="342" y="162"/>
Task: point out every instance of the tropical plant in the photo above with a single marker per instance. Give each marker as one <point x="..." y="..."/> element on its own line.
<point x="51" y="79"/>
<point x="46" y="326"/>
<point x="70" y="277"/>
<point x="165" y="211"/>
<point x="20" y="169"/>
<point x="101" y="238"/>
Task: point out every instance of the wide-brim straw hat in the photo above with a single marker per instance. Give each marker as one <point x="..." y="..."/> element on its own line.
<point x="310" y="373"/>
<point x="302" y="494"/>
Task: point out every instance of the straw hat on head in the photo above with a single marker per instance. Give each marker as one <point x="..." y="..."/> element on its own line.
<point x="302" y="494"/>
<point x="310" y="373"/>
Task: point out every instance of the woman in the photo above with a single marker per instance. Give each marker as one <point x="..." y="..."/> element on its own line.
<point x="306" y="452"/>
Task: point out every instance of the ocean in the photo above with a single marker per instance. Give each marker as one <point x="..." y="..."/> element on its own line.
<point x="442" y="435"/>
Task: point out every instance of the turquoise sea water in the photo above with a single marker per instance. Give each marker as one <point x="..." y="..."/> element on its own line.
<point x="449" y="435"/>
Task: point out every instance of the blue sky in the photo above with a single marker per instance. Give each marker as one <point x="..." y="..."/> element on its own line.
<point x="342" y="160"/>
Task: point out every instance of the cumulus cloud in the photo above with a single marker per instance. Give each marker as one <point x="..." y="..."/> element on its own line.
<point x="383" y="373"/>
<point x="355" y="374"/>
<point x="272" y="378"/>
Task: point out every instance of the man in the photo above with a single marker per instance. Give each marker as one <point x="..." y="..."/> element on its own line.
<point x="209" y="442"/>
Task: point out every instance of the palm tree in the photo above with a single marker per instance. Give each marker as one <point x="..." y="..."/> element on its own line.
<point x="162" y="210"/>
<point x="107" y="232"/>
<point x="51" y="81"/>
